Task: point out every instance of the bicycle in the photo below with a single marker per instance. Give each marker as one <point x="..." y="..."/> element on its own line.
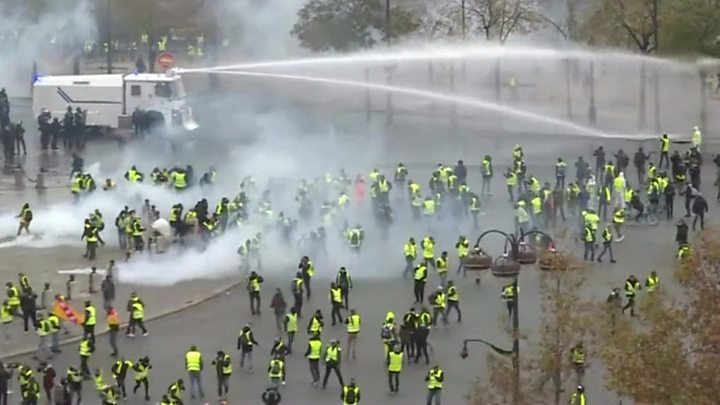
<point x="649" y="216"/>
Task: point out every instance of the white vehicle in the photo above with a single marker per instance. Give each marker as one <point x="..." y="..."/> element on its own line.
<point x="110" y="100"/>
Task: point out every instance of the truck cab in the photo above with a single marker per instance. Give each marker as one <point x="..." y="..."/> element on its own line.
<point x="160" y="96"/>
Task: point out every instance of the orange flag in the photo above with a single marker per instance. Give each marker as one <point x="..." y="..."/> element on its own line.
<point x="64" y="311"/>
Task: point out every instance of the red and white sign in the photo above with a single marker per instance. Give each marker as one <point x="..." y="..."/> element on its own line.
<point x="166" y="60"/>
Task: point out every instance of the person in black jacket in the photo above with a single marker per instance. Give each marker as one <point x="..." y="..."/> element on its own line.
<point x="271" y="396"/>
<point x="5" y="376"/>
<point x="29" y="308"/>
<point x="699" y="208"/>
<point x="681" y="233"/>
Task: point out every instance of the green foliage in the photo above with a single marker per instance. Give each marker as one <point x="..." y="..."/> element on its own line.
<point x="683" y="26"/>
<point x="345" y="25"/>
<point x="690" y="26"/>
<point x="621" y="23"/>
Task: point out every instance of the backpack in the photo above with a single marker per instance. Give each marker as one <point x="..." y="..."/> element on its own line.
<point x="354" y="238"/>
<point x="275" y="368"/>
<point x="386" y="332"/>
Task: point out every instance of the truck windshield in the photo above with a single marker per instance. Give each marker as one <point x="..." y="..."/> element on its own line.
<point x="178" y="90"/>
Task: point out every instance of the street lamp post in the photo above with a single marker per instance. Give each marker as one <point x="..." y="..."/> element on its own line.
<point x="387" y="22"/>
<point x="109" y="38"/>
<point x="462" y="18"/>
<point x="515" y="240"/>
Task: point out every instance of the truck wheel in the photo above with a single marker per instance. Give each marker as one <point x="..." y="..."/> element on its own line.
<point x="155" y="121"/>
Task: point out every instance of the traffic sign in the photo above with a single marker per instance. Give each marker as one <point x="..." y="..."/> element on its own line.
<point x="166" y="59"/>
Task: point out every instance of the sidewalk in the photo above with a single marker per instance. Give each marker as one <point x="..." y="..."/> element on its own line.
<point x="41" y="265"/>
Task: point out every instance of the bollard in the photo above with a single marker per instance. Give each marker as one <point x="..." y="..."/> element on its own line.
<point x="40" y="182"/>
<point x="19" y="176"/>
<point x="68" y="287"/>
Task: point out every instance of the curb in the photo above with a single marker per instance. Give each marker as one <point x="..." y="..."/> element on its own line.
<point x="218" y="292"/>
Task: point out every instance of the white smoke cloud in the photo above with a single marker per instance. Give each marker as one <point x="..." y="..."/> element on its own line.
<point x="46" y="32"/>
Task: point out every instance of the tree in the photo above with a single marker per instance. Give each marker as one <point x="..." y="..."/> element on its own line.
<point x="565" y="322"/>
<point x="433" y="22"/>
<point x="669" y="355"/>
<point x="624" y="23"/>
<point x="345" y="25"/>
<point x="496" y="20"/>
<point x="690" y="26"/>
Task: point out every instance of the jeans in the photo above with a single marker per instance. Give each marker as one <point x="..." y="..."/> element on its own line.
<point x="314" y="370"/>
<point x="44" y="347"/>
<point x="333" y="366"/>
<point x="55" y="341"/>
<point x="112" y="335"/>
<point x="243" y="356"/>
<point x="433" y="394"/>
<point x="223" y="385"/>
<point x="394" y="380"/>
<point x="255" y="302"/>
<point x="456" y="306"/>
<point x="195" y="379"/>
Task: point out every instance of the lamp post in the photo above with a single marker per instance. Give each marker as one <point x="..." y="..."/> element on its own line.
<point x="109" y="41"/>
<point x="513" y="263"/>
<point x="387" y="23"/>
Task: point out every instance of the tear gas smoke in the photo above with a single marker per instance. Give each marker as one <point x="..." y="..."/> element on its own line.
<point x="49" y="34"/>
